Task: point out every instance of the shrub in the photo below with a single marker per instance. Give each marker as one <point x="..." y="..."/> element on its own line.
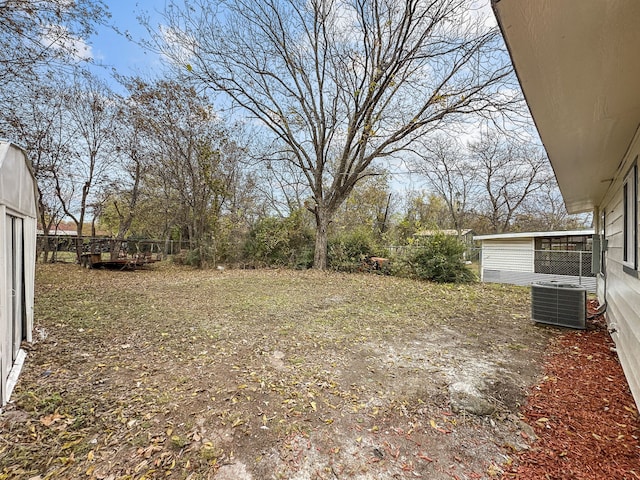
<point x="439" y="258"/>
<point x="201" y="257"/>
<point x="348" y="249"/>
<point x="281" y="241"/>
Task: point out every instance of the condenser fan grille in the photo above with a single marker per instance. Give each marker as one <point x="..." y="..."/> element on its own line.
<point x="559" y="304"/>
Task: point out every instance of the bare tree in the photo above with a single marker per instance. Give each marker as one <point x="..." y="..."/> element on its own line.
<point x="341" y="83"/>
<point x="91" y="116"/>
<point x="545" y="211"/>
<point x="45" y="33"/>
<point x="134" y="152"/>
<point x="123" y="194"/>
<point x="510" y="173"/>
<point x="195" y="165"/>
<point x="446" y="166"/>
<point x="282" y="185"/>
<point x="36" y="121"/>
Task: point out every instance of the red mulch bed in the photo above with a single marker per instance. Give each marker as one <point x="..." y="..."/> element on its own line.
<point x="583" y="414"/>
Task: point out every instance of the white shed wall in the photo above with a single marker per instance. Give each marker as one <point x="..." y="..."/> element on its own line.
<point x="511" y="255"/>
<point x="17" y="185"/>
<point x="17" y="262"/>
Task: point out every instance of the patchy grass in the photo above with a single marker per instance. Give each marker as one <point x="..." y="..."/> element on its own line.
<point x="177" y="373"/>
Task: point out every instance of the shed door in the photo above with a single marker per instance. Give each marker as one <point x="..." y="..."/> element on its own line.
<point x="16" y="320"/>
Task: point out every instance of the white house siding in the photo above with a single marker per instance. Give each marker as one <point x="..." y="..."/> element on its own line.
<point x="621" y="290"/>
<point x="586" y="106"/>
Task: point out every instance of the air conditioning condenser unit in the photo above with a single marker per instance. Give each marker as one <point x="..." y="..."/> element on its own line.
<point x="560" y="304"/>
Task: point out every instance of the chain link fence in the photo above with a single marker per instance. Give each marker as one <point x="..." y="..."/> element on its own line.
<point x="571" y="263"/>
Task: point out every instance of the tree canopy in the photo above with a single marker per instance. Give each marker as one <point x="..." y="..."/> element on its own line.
<point x="341" y="83"/>
<point x="277" y="120"/>
<point x="38" y="35"/>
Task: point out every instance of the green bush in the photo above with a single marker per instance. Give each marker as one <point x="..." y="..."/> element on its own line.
<point x="348" y="249"/>
<point x="304" y="256"/>
<point x="201" y="257"/>
<point x="281" y="242"/>
<point x="439" y="258"/>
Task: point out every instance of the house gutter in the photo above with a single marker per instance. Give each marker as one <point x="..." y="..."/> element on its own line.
<point x="597" y="237"/>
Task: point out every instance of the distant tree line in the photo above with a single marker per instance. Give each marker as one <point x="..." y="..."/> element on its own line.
<point x="273" y="142"/>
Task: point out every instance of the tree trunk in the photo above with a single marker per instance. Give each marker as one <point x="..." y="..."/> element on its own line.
<point x="42" y="247"/>
<point x="168" y="246"/>
<point x="79" y="244"/>
<point x="320" y="257"/>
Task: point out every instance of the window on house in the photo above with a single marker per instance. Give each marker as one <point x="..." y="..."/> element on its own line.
<point x="630" y="218"/>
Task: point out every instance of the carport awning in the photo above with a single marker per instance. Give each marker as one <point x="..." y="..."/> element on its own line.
<point x="579" y="66"/>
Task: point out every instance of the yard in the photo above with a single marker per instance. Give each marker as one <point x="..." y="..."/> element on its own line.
<point x="175" y="373"/>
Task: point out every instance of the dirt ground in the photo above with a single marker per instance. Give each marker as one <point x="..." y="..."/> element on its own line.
<point x="181" y="374"/>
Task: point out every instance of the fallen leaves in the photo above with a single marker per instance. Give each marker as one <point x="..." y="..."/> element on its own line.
<point x="173" y="373"/>
<point x="49" y="420"/>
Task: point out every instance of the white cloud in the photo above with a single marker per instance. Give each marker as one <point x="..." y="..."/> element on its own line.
<point x="480" y="11"/>
<point x="59" y="38"/>
<point x="179" y="46"/>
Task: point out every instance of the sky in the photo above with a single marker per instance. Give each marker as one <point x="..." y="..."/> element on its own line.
<point x="115" y="51"/>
